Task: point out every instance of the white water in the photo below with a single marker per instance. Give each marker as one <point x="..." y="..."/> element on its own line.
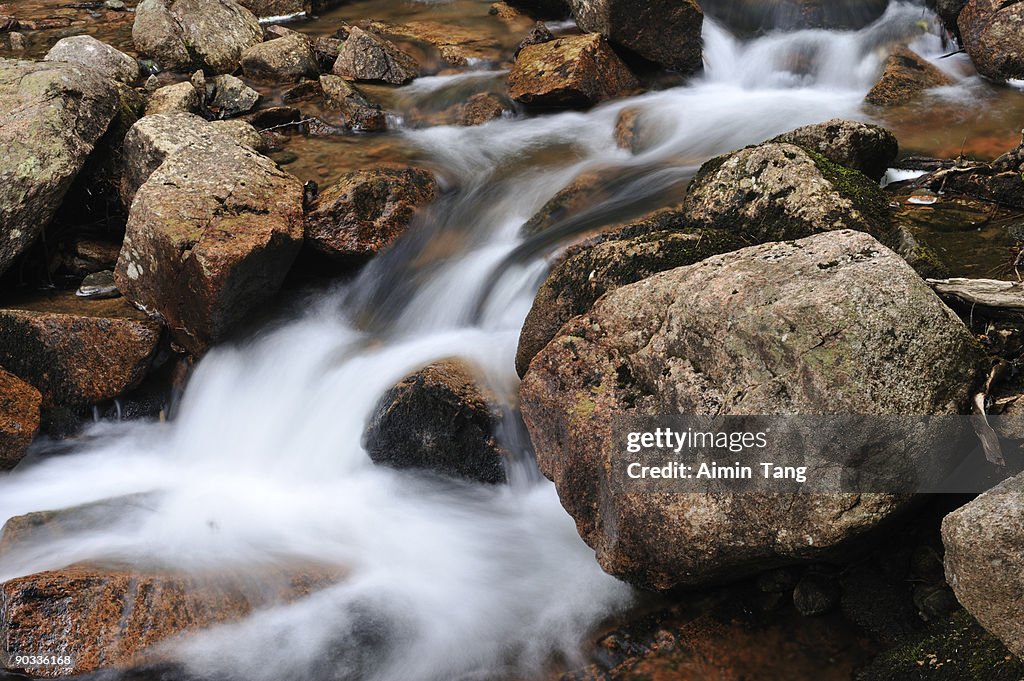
<point x="263" y="464"/>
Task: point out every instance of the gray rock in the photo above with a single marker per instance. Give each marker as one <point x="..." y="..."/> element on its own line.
<point x="367" y="56"/>
<point x="829" y="324"/>
<point x="229" y="96"/>
<point x="871" y="149"/>
<point x="51" y="116"/>
<point x="177" y="98"/>
<point x="86" y="50"/>
<point x="991" y="31"/>
<point x="357" y="112"/>
<point x="184" y="34"/>
<point x="985" y="560"/>
<point x="98" y="285"/>
<point x="286" y="59"/>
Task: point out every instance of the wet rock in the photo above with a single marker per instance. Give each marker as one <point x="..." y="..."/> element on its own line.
<point x="369" y="57"/>
<point x="276" y="8"/>
<point x="19" y="418"/>
<point x="628" y="132"/>
<point x="205" y="34"/>
<point x="576" y="71"/>
<point x="307" y="90"/>
<point x="177" y="98"/>
<point x="985" y="560"/>
<point x="456" y="45"/>
<point x="16" y="41"/>
<point x="52" y="115"/>
<point x="85" y="256"/>
<point x="816" y="593"/>
<point x="813" y="327"/>
<point x="286" y="59"/>
<point x="366" y="211"/>
<point x="615" y="260"/>
<point x="77" y="352"/>
<point x="667" y="32"/>
<point x="949" y="12"/>
<point x="439" y="419"/>
<point x="905" y="76"/>
<point x="990" y="31"/>
<point x="211" y="234"/>
<point x="228" y="96"/>
<point x="542" y="9"/>
<point x="775" y="191"/>
<point x="871" y="149"/>
<point x="538" y="35"/>
<point x="109" y="617"/>
<point x="327" y="49"/>
<point x="998" y="182"/>
<point x="87" y="51"/>
<point x="483" y="107"/>
<point x="749" y="17"/>
<point x="98" y="285"/>
<point x="357" y="112"/>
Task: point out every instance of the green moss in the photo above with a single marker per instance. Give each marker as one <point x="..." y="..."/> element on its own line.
<point x="865" y="194"/>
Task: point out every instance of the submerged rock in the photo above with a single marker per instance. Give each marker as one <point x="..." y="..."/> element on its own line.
<point x="19" y="418"/>
<point x="667" y="32"/>
<point x="991" y="32"/>
<point x="985" y="560"/>
<point x="575" y="71"/>
<point x="813" y="327"/>
<point x="439" y="419"/>
<point x="871" y="149"/>
<point x="366" y="211"/>
<point x="87" y="51"/>
<point x="776" y="191"/>
<point x="905" y="76"/>
<point x="52" y="114"/>
<point x="285" y="59"/>
<point x="77" y="352"/>
<point x="357" y="112"/>
<point x="205" y="34"/>
<point x="367" y="56"/>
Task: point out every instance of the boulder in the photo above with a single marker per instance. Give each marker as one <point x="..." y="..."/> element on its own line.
<point x="667" y="32"/>
<point x="366" y="211"/>
<point x="776" y="191"/>
<point x="456" y="45"/>
<point x="77" y="352"/>
<point x="367" y="56"/>
<point x="748" y="17"/>
<point x="829" y="324"/>
<point x="228" y="96"/>
<point x="286" y="59"/>
<point x="949" y="12"/>
<point x="575" y="71"/>
<point x="483" y="107"/>
<point x="905" y="76"/>
<point x="211" y="234"/>
<point x="87" y="51"/>
<point x="177" y="98"/>
<point x="439" y="419"/>
<point x="990" y="31"/>
<point x="19" y="418"/>
<point x="985" y="560"/>
<point x="357" y="112"/>
<point x="871" y="149"/>
<point x="52" y="115"/>
<point x="276" y="8"/>
<point x="605" y="264"/>
<point x="204" y="34"/>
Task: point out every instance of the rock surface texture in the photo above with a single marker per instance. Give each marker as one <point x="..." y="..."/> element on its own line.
<point x="991" y="33"/>
<point x="367" y="56"/>
<point x="871" y="149"/>
<point x="87" y="51"/>
<point x="19" y="418"/>
<point x="905" y="76"/>
<point x="575" y="71"/>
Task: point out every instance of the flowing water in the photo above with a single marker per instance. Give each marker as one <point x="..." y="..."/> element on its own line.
<point x="262" y="465"/>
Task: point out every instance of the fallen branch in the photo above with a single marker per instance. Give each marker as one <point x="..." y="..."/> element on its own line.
<point x="991" y="293"/>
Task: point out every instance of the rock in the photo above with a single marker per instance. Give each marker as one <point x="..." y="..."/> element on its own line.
<point x="109" y="616"/>
<point x="87" y="51"/>
<point x="98" y="285"/>
<point x="575" y="71"/>
<point x="456" y="45"/>
<point x="241" y="132"/>
<point x="366" y="211"/>
<point x="990" y="31"/>
<point x="667" y="32"/>
<point x="542" y="9"/>
<point x="16" y="41"/>
<point x="871" y="149"/>
<point x="86" y="256"/>
<point x="775" y="192"/>
<point x="327" y="49"/>
<point x="439" y="419"/>
<point x="276" y="8"/>
<point x="813" y="327"/>
<point x="984" y="543"/>
<point x="369" y="57"/>
<point x="816" y="594"/>
<point x="150" y="141"/>
<point x="307" y="90"/>
<point x="615" y="260"/>
<point x="177" y="98"/>
<point x="357" y="112"/>
<point x="286" y="59"/>
<point x="77" y="352"/>
<point x="228" y="96"/>
<point x="949" y="12"/>
<point x="211" y="234"/>
<point x="19" y="418"/>
<point x="483" y="107"/>
<point x="538" y="35"/>
<point x="205" y="34"/>
<point x="52" y="115"/>
<point x="905" y="76"/>
<point x="749" y="17"/>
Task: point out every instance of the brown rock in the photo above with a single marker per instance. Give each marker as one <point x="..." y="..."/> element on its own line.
<point x="991" y="33"/>
<point x="276" y="8"/>
<point x="575" y="71"/>
<point x="19" y="418"/>
<point x="482" y="107"/>
<point x="367" y="56"/>
<point x="177" y="98"/>
<point x="286" y="59"/>
<point x="86" y="256"/>
<point x="367" y="210"/>
<point x="457" y="45"/>
<point x="87" y="51"/>
<point x="439" y="419"/>
<point x="357" y="112"/>
<point x="77" y="352"/>
<point x="906" y="75"/>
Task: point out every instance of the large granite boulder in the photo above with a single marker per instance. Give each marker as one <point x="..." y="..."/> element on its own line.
<point x="991" y="33"/>
<point x="831" y="324"/>
<point x="87" y="51"/>
<point x="369" y="57"/>
<point x="871" y="149"/>
<point x="285" y="59"/>
<point x="52" y="115"/>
